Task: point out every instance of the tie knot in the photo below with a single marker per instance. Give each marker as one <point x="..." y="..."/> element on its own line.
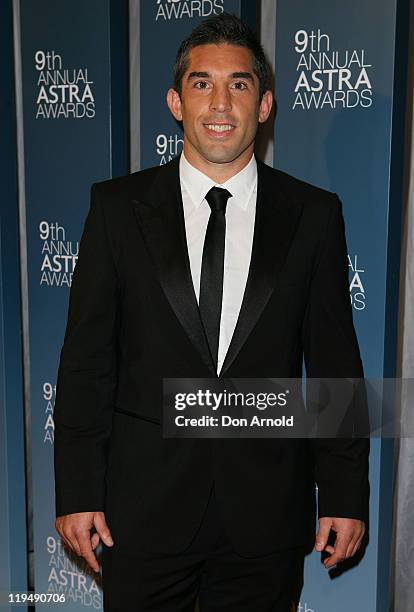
<point x="217" y="199"/>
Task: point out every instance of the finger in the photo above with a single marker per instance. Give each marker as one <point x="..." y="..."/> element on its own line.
<point x="85" y="548"/>
<point x="341" y="546"/>
<point x="67" y="543"/>
<point x="322" y="536"/>
<point x="357" y="545"/>
<point x="102" y="528"/>
<point x="351" y="546"/>
<point x="350" y="549"/>
<point x="72" y="543"/>
<point x="59" y="528"/>
<point x="356" y="540"/>
<point x="69" y="536"/>
<point x="95" y="540"/>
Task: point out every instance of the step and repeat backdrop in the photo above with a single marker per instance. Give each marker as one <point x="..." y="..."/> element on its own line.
<point x="68" y="93"/>
<point x="338" y="121"/>
<point x="13" y="549"/>
<point x="338" y="111"/>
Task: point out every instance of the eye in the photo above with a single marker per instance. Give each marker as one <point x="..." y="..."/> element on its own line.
<point x="240" y="85"/>
<point x="201" y="85"/>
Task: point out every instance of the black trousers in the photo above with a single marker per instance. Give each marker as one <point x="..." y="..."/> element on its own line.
<point x="209" y="569"/>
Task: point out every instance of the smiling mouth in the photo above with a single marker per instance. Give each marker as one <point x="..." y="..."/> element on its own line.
<point x="219" y="127"/>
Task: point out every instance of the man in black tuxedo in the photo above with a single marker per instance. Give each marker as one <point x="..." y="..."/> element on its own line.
<point x="214" y="265"/>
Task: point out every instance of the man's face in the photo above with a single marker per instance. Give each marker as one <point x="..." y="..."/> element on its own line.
<point x="219" y="104"/>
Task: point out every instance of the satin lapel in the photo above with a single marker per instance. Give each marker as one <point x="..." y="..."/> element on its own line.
<point x="277" y="217"/>
<point x="161" y="219"/>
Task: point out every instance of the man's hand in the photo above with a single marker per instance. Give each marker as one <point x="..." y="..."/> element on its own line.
<point x="74" y="529"/>
<point x="349" y="534"/>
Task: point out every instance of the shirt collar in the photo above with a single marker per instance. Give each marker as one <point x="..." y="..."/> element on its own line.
<point x="197" y="184"/>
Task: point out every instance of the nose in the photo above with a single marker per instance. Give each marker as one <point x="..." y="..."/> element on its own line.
<point x="220" y="100"/>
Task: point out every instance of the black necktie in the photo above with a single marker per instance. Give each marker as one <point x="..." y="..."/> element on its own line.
<point x="212" y="268"/>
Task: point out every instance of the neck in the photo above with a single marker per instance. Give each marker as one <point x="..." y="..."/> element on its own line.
<point x="218" y="172"/>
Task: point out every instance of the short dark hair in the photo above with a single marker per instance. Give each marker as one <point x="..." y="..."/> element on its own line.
<point x="222" y="28"/>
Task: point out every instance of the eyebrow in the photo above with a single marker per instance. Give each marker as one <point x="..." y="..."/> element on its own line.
<point x="234" y="75"/>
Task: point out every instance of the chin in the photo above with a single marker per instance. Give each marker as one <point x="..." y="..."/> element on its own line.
<point x="221" y="157"/>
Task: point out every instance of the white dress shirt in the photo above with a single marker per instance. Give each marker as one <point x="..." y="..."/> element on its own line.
<point x="240" y="216"/>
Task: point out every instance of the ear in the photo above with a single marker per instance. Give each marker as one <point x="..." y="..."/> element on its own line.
<point x="265" y="106"/>
<point x="174" y="104"/>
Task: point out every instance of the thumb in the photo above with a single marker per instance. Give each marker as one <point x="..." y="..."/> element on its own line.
<point x="325" y="524"/>
<point x="102" y="528"/>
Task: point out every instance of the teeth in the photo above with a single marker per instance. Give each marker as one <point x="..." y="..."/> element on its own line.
<point x="219" y="128"/>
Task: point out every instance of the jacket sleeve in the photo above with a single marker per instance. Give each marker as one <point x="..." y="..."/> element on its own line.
<point x="86" y="380"/>
<point x="331" y="351"/>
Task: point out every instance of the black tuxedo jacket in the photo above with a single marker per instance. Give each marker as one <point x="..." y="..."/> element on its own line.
<point x="133" y="319"/>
